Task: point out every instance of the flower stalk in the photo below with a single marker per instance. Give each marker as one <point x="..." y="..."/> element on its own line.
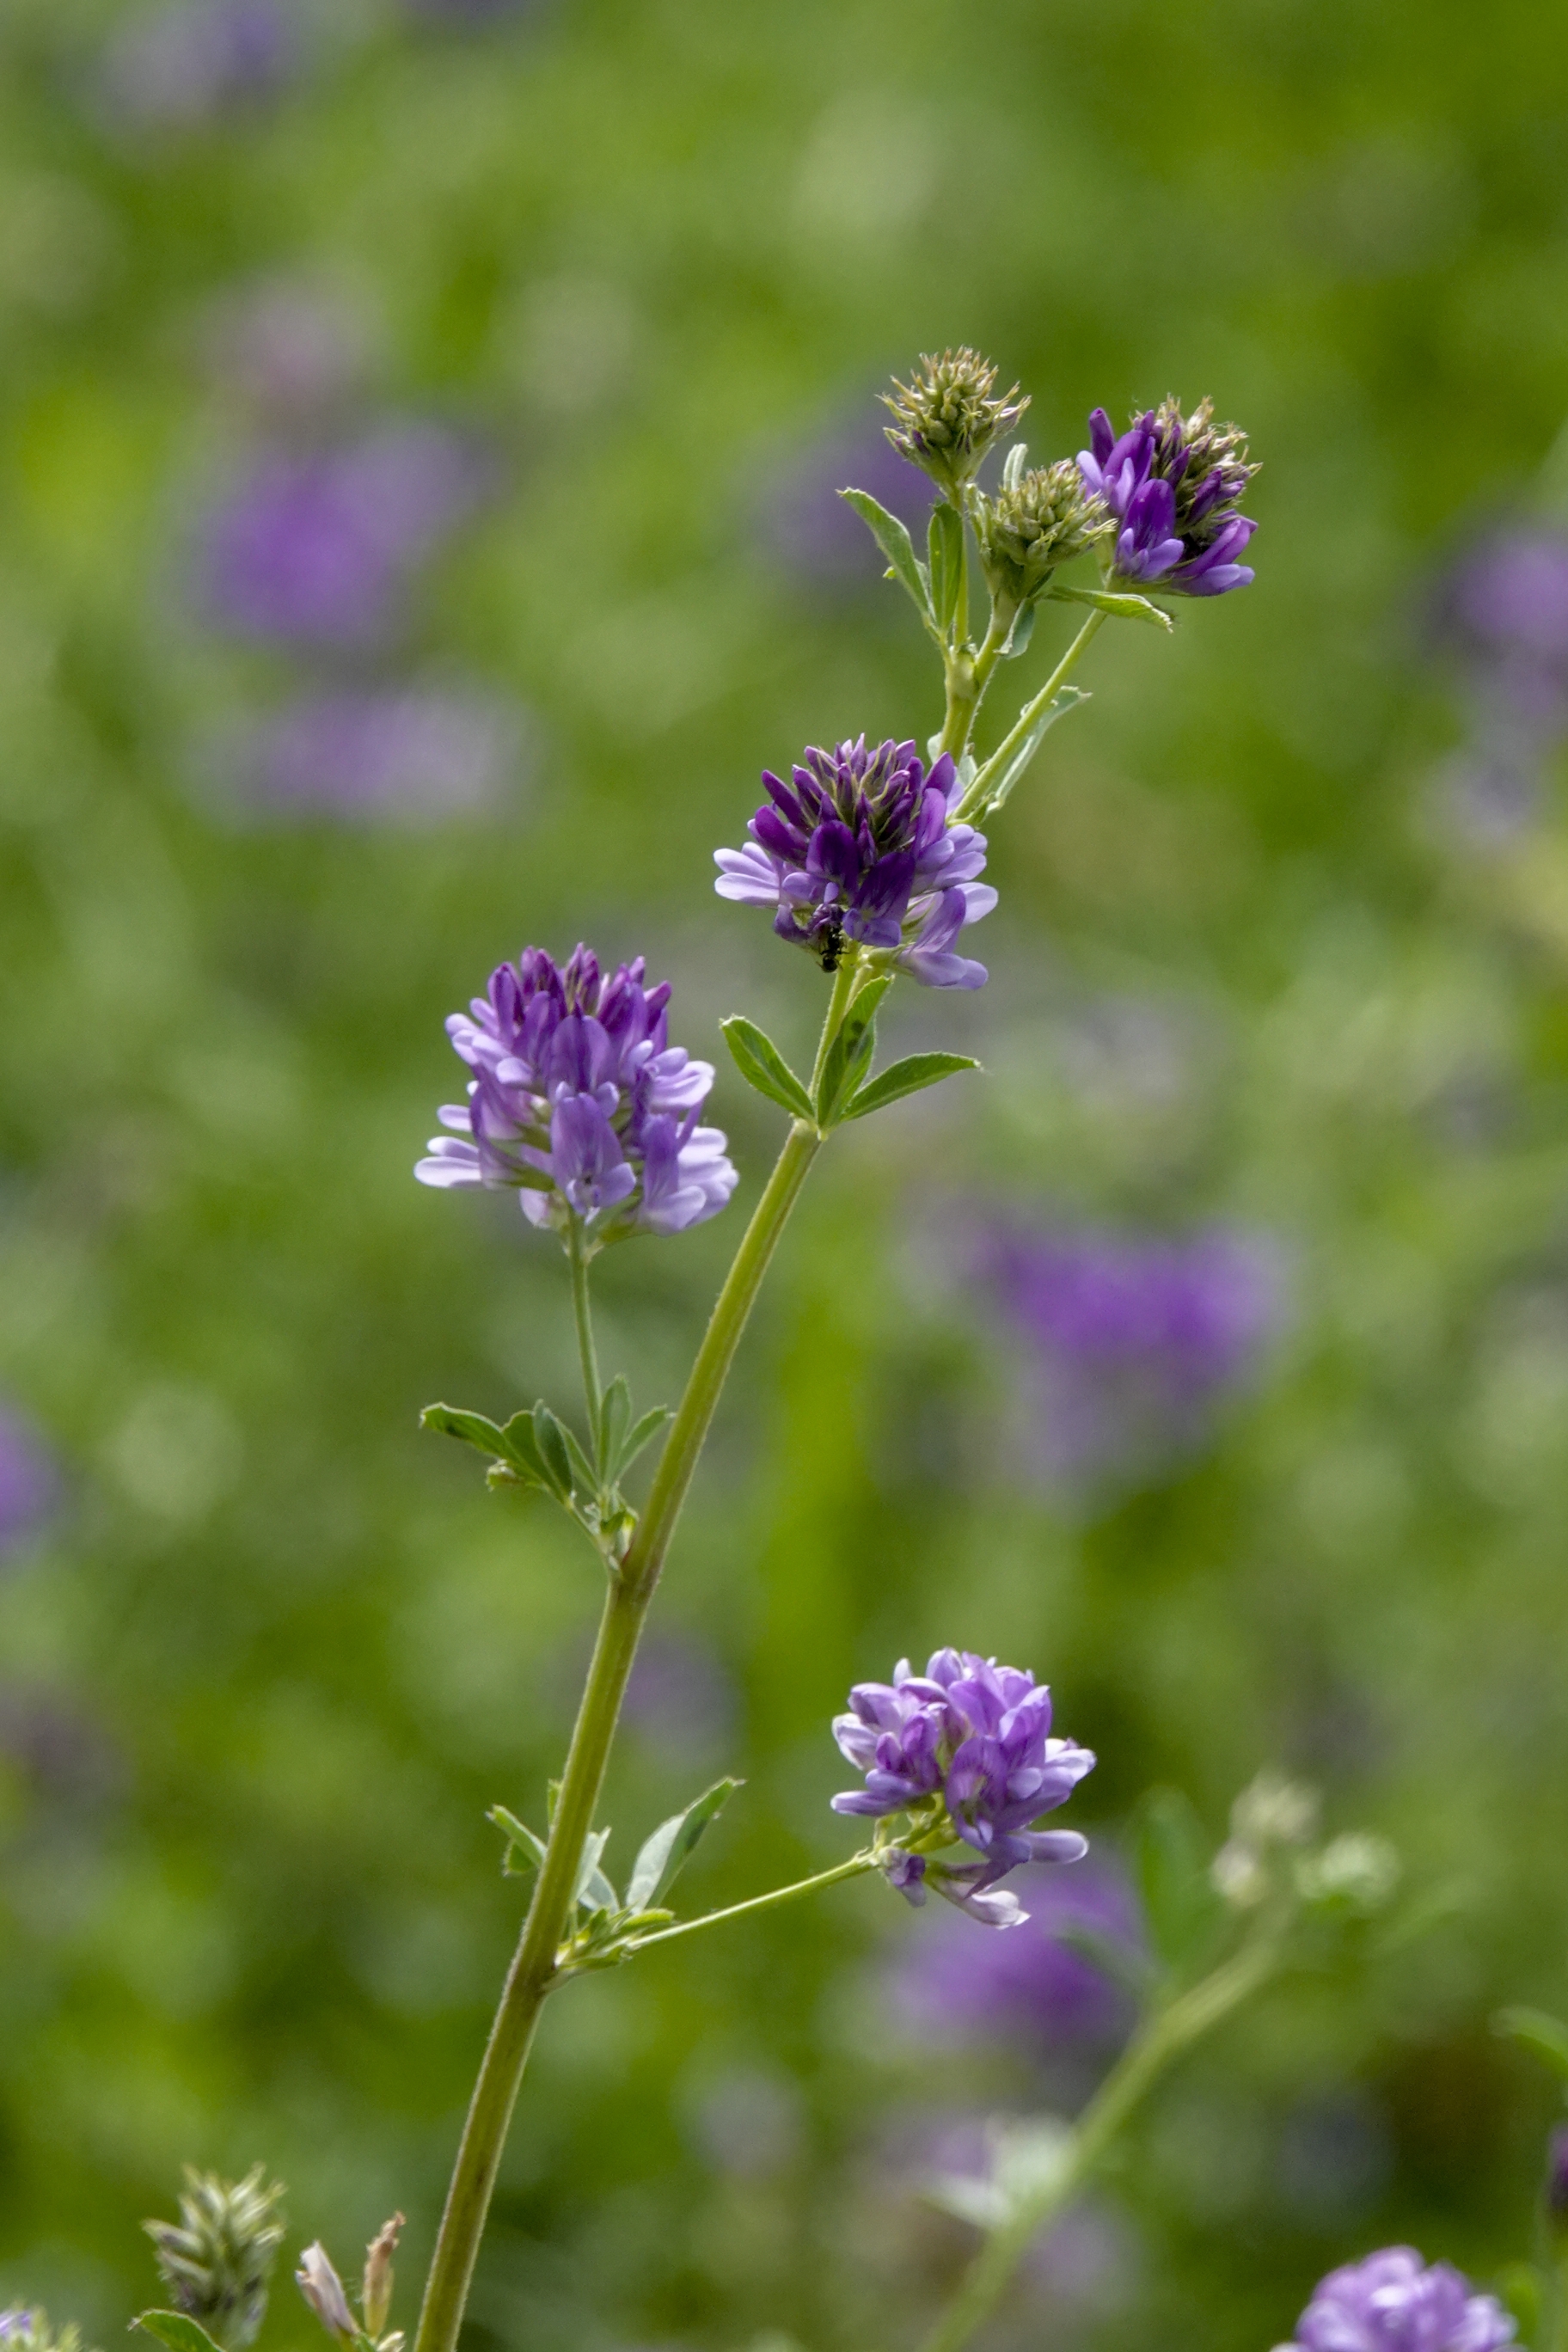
<point x="1164" y="2036"/>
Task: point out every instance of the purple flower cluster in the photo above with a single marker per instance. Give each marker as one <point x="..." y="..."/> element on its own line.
<point x="1393" y="2303"/>
<point x="318" y="549"/>
<point x="1135" y="1340"/>
<point x="1172" y="482"/>
<point x="579" y="1102"/>
<point x="860" y="848"/>
<point x="968" y="1745"/>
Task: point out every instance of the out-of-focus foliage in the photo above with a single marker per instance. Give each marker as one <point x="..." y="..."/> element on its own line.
<point x="267" y="1653"/>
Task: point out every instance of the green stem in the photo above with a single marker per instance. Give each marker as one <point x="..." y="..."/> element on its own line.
<point x="626" y="1605"/>
<point x="587" y="1351"/>
<point x="975" y="797"/>
<point x="844" y="981"/>
<point x="857" y="1864"/>
<point x="1157" y="2041"/>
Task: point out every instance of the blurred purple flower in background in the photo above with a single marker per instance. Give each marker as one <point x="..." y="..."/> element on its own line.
<point x="180" y="67"/>
<point x="678" y="1695"/>
<point x="376" y="754"/>
<point x="318" y="549"/>
<point x="1031" y="1987"/>
<point x="1135" y="1340"/>
<point x="285" y="349"/>
<point x="1503" y="610"/>
<point x="1393" y="2303"/>
<point x="29" y="1483"/>
<point x="808" y="525"/>
<point x="57" y="1745"/>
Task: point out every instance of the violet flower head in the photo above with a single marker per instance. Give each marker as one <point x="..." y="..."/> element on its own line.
<point x="373" y="755"/>
<point x="1173" y="483"/>
<point x="579" y="1102"/>
<point x="965" y="1751"/>
<point x="183" y="66"/>
<point x="318" y="549"/>
<point x="861" y="849"/>
<point x="1393" y="2303"/>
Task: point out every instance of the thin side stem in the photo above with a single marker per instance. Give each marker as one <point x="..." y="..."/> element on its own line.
<point x="1157" y="2041"/>
<point x="857" y="1864"/>
<point x="1018" y="734"/>
<point x="582" y="1311"/>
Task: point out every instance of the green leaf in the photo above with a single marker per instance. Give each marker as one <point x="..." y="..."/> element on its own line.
<point x="1022" y="630"/>
<point x="849" y="1056"/>
<point x="1066" y="699"/>
<point x="895" y="543"/>
<point x="1122" y="607"/>
<point x="761" y="1065"/>
<point x="945" y="546"/>
<point x="521" y="1840"/>
<point x="516" y="1456"/>
<point x="521" y="1449"/>
<point x="1544" y="2037"/>
<point x="671" y="1847"/>
<point x="177" y="2329"/>
<point x="907" y="1077"/>
<point x="615" y="1419"/>
<point x="551" y="1440"/>
<point x="1170" y="1863"/>
<point x="639" y="1435"/>
<point x="592" y="1887"/>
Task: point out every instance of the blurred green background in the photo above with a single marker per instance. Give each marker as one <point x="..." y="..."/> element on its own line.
<point x="266" y="1653"/>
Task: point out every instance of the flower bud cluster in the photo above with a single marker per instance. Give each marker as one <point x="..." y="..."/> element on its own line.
<point x="580" y="1103"/>
<point x="964" y="1749"/>
<point x="1037" y="521"/>
<point x="28" y="2330"/>
<point x="1270" y="1815"/>
<point x="1172" y="482"/>
<point x="945" y="421"/>
<point x="217" y="2258"/>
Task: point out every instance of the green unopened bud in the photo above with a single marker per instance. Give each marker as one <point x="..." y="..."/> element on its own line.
<point x="945" y="421"/>
<point x="375" y="2295"/>
<point x="1035" y="521"/>
<point x="218" y="2259"/>
<point x="1357" y="1872"/>
<point x="1205" y="464"/>
<point x="1272" y="1811"/>
<point x="323" y="2291"/>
